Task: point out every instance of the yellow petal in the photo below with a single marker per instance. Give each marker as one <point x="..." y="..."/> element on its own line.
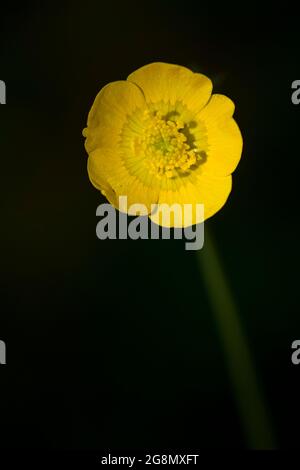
<point x="99" y="166"/>
<point x="108" y="114"/>
<point x="223" y="136"/>
<point x="171" y="83"/>
<point x="210" y="191"/>
<point x="108" y="174"/>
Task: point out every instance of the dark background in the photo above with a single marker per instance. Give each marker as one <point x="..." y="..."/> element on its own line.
<point x="112" y="344"/>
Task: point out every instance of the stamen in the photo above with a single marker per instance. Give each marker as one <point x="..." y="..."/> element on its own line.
<point x="165" y="146"/>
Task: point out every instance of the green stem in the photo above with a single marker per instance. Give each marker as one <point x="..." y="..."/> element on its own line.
<point x="240" y="366"/>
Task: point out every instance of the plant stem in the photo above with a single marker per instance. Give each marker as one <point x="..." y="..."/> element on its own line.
<point x="240" y="366"/>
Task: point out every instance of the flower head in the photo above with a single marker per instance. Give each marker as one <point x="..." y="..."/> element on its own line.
<point x="160" y="137"/>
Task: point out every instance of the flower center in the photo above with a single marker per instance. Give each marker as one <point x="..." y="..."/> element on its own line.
<point x="167" y="145"/>
<point x="163" y="144"/>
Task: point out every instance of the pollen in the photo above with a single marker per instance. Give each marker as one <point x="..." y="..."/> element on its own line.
<point x="165" y="146"/>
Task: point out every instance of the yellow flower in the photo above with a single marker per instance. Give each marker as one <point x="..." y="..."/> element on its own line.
<point x="161" y="137"/>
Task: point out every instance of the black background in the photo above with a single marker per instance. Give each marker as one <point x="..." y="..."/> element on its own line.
<point x="112" y="344"/>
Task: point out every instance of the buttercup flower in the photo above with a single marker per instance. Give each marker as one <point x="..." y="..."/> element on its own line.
<point x="161" y="137"/>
